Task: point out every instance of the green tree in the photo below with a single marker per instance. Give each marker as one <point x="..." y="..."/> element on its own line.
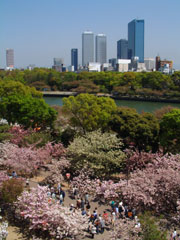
<point x="8" y="88"/>
<point x="170" y="131"/>
<point x="27" y="111"/>
<point x="98" y="151"/>
<point x="140" y="130"/>
<point x="89" y="112"/>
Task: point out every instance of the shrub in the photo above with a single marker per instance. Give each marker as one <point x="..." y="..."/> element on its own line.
<point x="10" y="190"/>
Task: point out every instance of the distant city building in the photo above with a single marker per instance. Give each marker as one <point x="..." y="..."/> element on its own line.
<point x="101" y="48"/>
<point x="10" y="58"/>
<point x="74" y="58"/>
<point x="71" y="68"/>
<point x="149" y="64"/>
<point x="122" y="49"/>
<point x="160" y="63"/>
<point x="31" y="67"/>
<point x="136" y="39"/>
<point x="58" y="61"/>
<point x="87" y="48"/>
<point x="58" y="64"/>
<point x="94" y="67"/>
<point x="106" y="67"/>
<point x="123" y="65"/>
<point x="113" y="62"/>
<point x="137" y="66"/>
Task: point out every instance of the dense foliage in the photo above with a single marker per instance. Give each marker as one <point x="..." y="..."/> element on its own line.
<point x="10" y="190"/>
<point x="170" y="131"/>
<point x="139" y="130"/>
<point x="24" y="105"/>
<point x="47" y="215"/>
<point x="89" y="112"/>
<point x="101" y="152"/>
<point x="146" y="85"/>
<point x="26" y="161"/>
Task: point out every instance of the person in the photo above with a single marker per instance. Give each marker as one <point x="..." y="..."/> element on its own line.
<point x="97" y="225"/>
<point x="95" y="215"/>
<point x="78" y="203"/>
<point x="88" y="206"/>
<point x="74" y="192"/>
<point x="130" y="215"/>
<point x="86" y="198"/>
<point x="14" y="174"/>
<point x="63" y="193"/>
<point x="178" y="237"/>
<point x="82" y="203"/>
<point x="113" y="218"/>
<point x="59" y="187"/>
<point x="83" y="212"/>
<point x="61" y="198"/>
<point x="174" y="234"/>
<point x="93" y="231"/>
<point x="71" y="207"/>
<point x="105" y="217"/>
<point x="102" y="222"/>
<point x="121" y="210"/>
<point x="27" y="182"/>
<point x="89" y="226"/>
<point x="112" y="203"/>
<point x="53" y="196"/>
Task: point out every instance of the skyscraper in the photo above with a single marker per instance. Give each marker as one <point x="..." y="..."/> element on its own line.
<point x="136" y="39"/>
<point x="101" y="48"/>
<point x="87" y="48"/>
<point x="10" y="58"/>
<point x="122" y="49"/>
<point x="74" y="58"/>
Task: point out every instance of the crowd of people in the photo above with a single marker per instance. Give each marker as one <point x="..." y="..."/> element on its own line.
<point x="97" y="222"/>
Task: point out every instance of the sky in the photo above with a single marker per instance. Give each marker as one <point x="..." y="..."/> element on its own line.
<point x="39" y="30"/>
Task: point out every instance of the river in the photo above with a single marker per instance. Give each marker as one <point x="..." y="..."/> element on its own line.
<point x="138" y="105"/>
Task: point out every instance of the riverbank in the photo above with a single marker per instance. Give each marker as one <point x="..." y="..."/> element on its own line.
<point x="116" y="97"/>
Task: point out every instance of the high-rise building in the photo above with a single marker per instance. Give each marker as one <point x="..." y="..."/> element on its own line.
<point x="136" y="39"/>
<point x="101" y="48"/>
<point x="10" y="58"/>
<point x="122" y="49"/>
<point x="74" y="58"/>
<point x="113" y="62"/>
<point x="87" y="48"/>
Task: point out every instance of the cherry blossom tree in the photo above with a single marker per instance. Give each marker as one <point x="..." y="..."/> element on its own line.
<point x="126" y="229"/>
<point x="26" y="161"/>
<point x="47" y="215"/>
<point x="3" y="177"/>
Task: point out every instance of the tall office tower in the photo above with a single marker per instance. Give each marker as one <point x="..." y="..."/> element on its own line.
<point x="74" y="58"/>
<point x="101" y="48"/>
<point x="87" y="48"/>
<point x="136" y="39"/>
<point x="122" y="49"/>
<point x="10" y="58"/>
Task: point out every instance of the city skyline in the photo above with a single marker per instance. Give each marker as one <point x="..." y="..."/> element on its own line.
<point x="39" y="32"/>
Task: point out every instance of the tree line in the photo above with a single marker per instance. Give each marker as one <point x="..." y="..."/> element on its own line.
<point x="142" y="85"/>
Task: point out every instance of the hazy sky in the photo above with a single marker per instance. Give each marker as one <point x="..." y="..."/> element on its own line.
<point x="39" y="30"/>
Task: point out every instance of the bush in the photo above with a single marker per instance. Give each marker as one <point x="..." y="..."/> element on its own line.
<point x="150" y="229"/>
<point x="10" y="190"/>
